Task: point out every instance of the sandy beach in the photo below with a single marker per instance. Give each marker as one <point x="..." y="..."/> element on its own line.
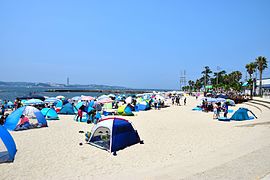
<point x="178" y="144"/>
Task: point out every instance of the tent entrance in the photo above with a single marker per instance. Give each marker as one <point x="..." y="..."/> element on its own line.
<point x="101" y="138"/>
<point x="4" y="155"/>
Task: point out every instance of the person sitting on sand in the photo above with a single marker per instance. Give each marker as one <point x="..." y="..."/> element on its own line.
<point x="24" y="122"/>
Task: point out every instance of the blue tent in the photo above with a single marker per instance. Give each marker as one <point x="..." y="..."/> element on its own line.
<point x="50" y="114"/>
<point x="59" y="104"/>
<point x="68" y="109"/>
<point x="240" y="115"/>
<point x="113" y="134"/>
<point x="8" y="146"/>
<point x="13" y="119"/>
<point x="78" y="106"/>
<point x="142" y="106"/>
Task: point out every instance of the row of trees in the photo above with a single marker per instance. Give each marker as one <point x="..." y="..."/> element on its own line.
<point x="259" y="64"/>
<point x="228" y="81"/>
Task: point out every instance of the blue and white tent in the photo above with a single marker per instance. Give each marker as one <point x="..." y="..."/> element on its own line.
<point x="68" y="109"/>
<point x="50" y="114"/>
<point x="7" y="146"/>
<point x="13" y="119"/>
<point x="142" y="106"/>
<point x="113" y="134"/>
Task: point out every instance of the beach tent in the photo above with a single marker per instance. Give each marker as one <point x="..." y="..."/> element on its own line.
<point x="68" y="109"/>
<point x="78" y="106"/>
<point x="59" y="104"/>
<point x="240" y="115"/>
<point x="125" y="110"/>
<point x="7" y="146"/>
<point x="142" y="106"/>
<point x="14" y="118"/>
<point x="113" y="134"/>
<point x="50" y="114"/>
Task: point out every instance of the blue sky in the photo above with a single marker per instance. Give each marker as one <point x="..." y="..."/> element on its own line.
<point x="138" y="44"/>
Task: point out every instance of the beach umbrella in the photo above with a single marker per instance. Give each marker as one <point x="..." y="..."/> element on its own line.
<point x="34" y="102"/>
<point x="87" y="98"/>
<point x="102" y="97"/>
<point x="51" y="100"/>
<point x="76" y="98"/>
<point x="60" y="97"/>
<point x="103" y="101"/>
<point x="112" y="95"/>
<point x="221" y="100"/>
<point x="231" y="102"/>
<point x="160" y="97"/>
<point x="129" y="100"/>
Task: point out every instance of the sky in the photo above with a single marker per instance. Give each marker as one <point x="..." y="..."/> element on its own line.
<point x="131" y="43"/>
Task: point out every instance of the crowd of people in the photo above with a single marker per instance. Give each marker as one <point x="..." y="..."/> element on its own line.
<point x="216" y="108"/>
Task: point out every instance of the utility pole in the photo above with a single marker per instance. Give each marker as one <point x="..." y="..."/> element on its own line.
<point x="182" y="79"/>
<point x="67" y="81"/>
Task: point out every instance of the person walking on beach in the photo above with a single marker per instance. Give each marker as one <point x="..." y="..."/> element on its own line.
<point x="185" y="101"/>
<point x="226" y="109"/>
<point x="173" y="100"/>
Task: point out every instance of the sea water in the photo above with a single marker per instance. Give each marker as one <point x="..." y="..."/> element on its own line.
<point x="11" y="93"/>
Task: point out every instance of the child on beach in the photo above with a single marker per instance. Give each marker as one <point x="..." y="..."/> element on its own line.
<point x="215" y="110"/>
<point x="80" y="114"/>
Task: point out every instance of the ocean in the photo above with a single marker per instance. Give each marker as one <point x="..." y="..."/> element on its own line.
<point x="11" y="93"/>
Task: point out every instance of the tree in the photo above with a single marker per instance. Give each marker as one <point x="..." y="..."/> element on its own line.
<point x="206" y="76"/>
<point x="251" y="67"/>
<point x="261" y="63"/>
<point x="191" y="85"/>
<point x="234" y="78"/>
<point x="198" y="84"/>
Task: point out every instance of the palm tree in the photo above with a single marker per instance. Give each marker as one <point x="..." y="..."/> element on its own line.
<point x="191" y="85"/>
<point x="251" y="67"/>
<point x="261" y="63"/>
<point x="206" y="73"/>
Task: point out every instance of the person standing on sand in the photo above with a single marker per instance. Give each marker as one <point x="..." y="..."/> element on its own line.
<point x="226" y="107"/>
<point x="80" y="114"/>
<point x="185" y="101"/>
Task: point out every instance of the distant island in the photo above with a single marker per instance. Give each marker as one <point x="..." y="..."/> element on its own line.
<point x="57" y="85"/>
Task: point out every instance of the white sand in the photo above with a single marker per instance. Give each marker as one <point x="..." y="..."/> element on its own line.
<point x="178" y="143"/>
